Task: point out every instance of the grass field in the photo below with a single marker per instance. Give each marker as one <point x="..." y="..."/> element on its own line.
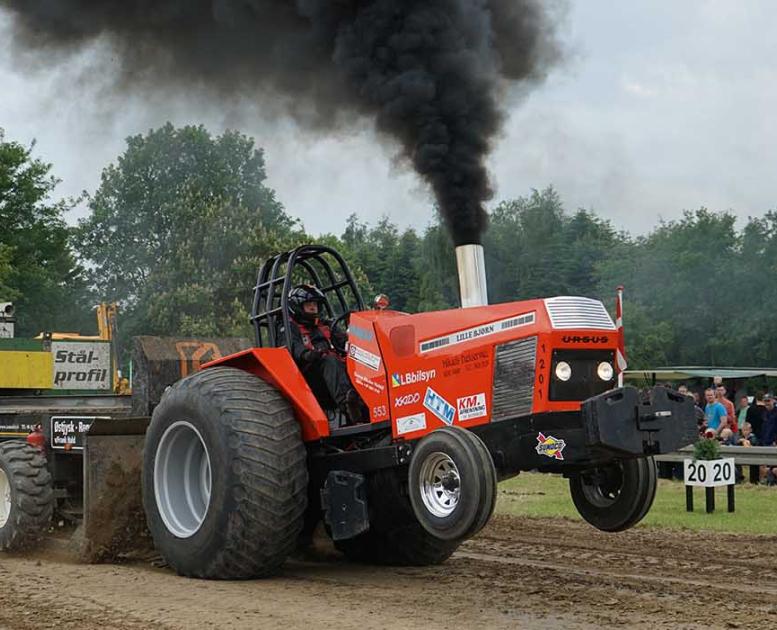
<point x="542" y="495"/>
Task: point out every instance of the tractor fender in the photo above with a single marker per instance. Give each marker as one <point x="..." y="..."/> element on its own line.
<point x="275" y="366"/>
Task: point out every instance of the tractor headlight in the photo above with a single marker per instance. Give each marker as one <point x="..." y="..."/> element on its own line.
<point x="563" y="371"/>
<point x="605" y="371"/>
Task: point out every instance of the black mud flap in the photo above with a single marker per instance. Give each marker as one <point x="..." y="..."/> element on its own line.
<point x="623" y="420"/>
<point x="344" y="500"/>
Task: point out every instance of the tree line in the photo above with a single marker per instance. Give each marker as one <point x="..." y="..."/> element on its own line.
<point x="182" y="220"/>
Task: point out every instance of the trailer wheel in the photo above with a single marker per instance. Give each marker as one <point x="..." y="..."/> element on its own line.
<point x="452" y="483"/>
<point x="395" y="536"/>
<point x="224" y="476"/>
<point x="616" y="497"/>
<point x="26" y="495"/>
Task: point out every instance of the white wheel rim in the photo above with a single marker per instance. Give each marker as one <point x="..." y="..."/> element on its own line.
<point x="182" y="479"/>
<point x="439" y="484"/>
<point x="5" y="498"/>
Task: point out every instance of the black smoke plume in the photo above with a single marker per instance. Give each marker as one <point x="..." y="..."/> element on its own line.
<point x="431" y="73"/>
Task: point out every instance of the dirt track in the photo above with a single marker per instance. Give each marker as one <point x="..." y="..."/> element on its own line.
<point x="517" y="573"/>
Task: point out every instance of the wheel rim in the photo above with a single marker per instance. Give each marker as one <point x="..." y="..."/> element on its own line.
<point x="182" y="479"/>
<point x="5" y="498"/>
<point x="440" y="484"/>
<point x="603" y="487"/>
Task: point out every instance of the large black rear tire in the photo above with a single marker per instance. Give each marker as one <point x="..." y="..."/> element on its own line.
<point x="616" y="497"/>
<point x="224" y="476"/>
<point x="395" y="536"/>
<point x="26" y="495"/>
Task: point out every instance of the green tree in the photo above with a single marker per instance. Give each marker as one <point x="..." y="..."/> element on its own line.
<point x="38" y="270"/>
<point x="179" y="227"/>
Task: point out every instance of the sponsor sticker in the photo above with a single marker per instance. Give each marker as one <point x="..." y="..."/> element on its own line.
<point x="365" y="357"/>
<point x="472" y="407"/>
<point x="550" y="446"/>
<point x="439" y="406"/>
<point x="477" y="332"/>
<point x="399" y="379"/>
<point x="67" y="432"/>
<point x="82" y="365"/>
<point x="368" y="383"/>
<point x="17" y="429"/>
<point x="407" y="399"/>
<point x="406" y="424"/>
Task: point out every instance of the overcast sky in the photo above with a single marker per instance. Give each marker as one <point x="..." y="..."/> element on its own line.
<point x="660" y="106"/>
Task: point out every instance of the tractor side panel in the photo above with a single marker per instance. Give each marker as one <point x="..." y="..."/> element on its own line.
<point x="276" y="366"/>
<point x="442" y="367"/>
<point x="366" y="367"/>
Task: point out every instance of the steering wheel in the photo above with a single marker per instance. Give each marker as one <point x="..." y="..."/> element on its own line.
<point x="337" y="335"/>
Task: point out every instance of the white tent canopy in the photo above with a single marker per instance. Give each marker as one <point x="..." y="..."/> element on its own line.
<point x="682" y="373"/>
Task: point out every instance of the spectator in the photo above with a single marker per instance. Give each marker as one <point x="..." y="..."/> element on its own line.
<point x="720" y="392"/>
<point x="744" y="407"/>
<point x="746" y="435"/>
<point x="728" y="437"/>
<point x="769" y="432"/>
<point x="683" y="389"/>
<point x="714" y="414"/>
<point x="755" y="415"/>
<point x="700" y="420"/>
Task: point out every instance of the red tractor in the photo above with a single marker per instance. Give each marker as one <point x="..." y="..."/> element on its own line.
<point x="242" y="459"/>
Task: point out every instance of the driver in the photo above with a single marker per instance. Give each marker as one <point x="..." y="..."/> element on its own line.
<point x="315" y="354"/>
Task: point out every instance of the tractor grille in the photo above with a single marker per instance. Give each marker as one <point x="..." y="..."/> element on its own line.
<point x="514" y="378"/>
<point x="578" y="312"/>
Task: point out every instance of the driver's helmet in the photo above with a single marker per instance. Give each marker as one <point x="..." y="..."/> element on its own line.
<point x="300" y="295"/>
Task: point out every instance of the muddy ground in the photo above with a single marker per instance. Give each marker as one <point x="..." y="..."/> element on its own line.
<point x="517" y="573"/>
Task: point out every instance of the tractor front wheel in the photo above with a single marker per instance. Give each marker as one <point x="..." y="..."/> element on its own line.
<point x="224" y="476"/>
<point x="616" y="497"/>
<point x="26" y="495"/>
<point x="452" y="483"/>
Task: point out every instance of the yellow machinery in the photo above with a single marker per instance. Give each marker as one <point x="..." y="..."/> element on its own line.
<point x="29" y="363"/>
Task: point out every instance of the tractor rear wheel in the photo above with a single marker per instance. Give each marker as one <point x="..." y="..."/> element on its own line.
<point x="452" y="482"/>
<point x="224" y="476"/>
<point x="615" y="497"/>
<point x="26" y="495"/>
<point x="395" y="536"/>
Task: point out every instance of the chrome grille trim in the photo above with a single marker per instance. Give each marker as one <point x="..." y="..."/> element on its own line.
<point x="514" y="379"/>
<point x="578" y="312"/>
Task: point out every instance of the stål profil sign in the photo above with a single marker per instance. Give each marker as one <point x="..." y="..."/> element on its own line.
<point x="82" y="365"/>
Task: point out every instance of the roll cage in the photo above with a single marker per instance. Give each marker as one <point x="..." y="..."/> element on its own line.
<point x="318" y="265"/>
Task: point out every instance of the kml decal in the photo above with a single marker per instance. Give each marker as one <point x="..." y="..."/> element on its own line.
<point x="472" y="407"/>
<point x="550" y="446"/>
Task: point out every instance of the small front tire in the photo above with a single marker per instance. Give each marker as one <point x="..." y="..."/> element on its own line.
<point x="452" y="483"/>
<point x="615" y="497"/>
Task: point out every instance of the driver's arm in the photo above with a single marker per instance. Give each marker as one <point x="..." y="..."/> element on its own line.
<point x="301" y="354"/>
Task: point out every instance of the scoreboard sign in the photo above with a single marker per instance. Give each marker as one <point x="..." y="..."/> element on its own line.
<point x="709" y="474"/>
<point x="82" y="365"/>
